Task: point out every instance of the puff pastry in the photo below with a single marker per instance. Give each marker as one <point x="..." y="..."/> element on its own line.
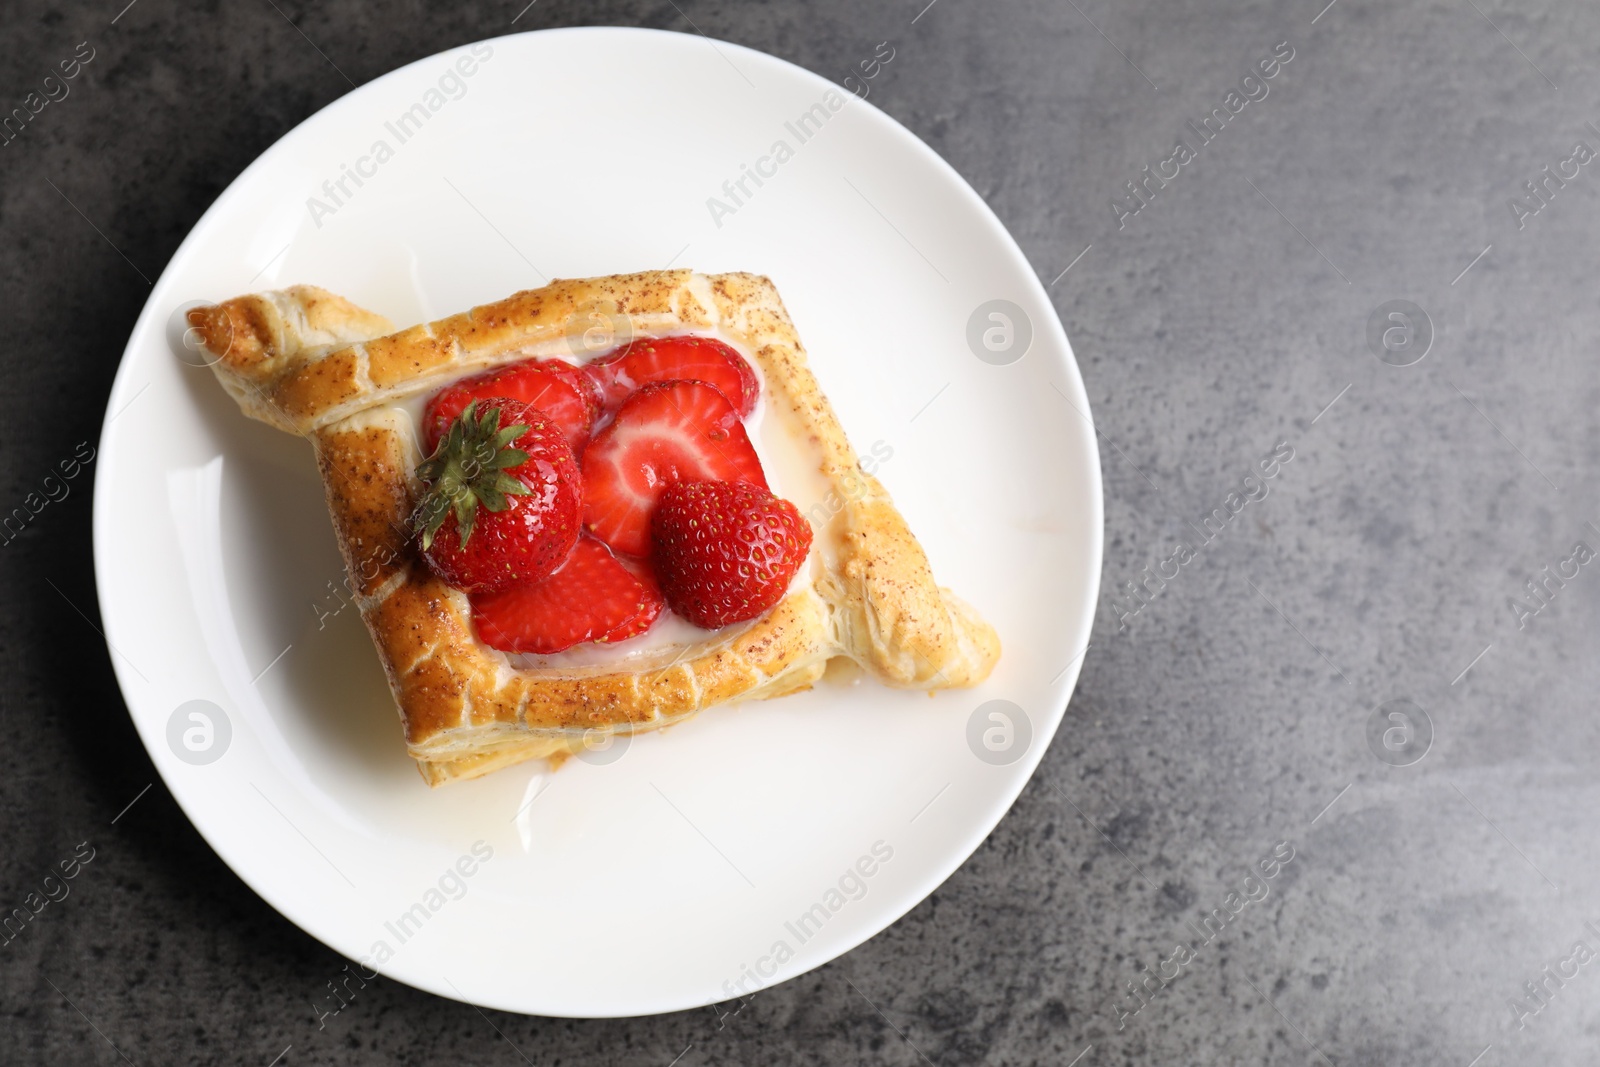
<point x="314" y="364"/>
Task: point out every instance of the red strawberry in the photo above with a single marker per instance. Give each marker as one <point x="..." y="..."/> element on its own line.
<point x="726" y="551"/>
<point x="662" y="359"/>
<point x="578" y="375"/>
<point x="653" y="603"/>
<point x="564" y="395"/>
<point x="591" y="598"/>
<point x="666" y="432"/>
<point x="501" y="506"/>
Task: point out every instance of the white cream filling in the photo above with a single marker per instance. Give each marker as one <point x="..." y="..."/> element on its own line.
<point x="792" y="471"/>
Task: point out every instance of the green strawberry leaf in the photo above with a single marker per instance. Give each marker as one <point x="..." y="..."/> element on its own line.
<point x="468" y="471"/>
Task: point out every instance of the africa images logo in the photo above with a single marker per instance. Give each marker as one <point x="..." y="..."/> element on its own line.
<point x="451" y="85"/>
<point x="1253" y="88"/>
<point x="851" y="885"/>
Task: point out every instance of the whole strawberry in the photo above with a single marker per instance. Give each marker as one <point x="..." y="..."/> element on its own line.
<point x="500" y="507"/>
<point x="726" y="551"/>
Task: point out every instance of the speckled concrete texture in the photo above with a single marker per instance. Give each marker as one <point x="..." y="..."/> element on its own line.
<point x="1232" y="755"/>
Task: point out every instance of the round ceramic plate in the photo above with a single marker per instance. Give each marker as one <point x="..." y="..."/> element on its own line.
<point x="725" y="854"/>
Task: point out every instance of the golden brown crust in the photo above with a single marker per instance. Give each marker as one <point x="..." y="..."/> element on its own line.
<point x="466" y="709"/>
<point x="267" y="339"/>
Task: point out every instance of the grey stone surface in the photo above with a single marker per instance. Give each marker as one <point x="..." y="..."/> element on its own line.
<point x="1229" y="715"/>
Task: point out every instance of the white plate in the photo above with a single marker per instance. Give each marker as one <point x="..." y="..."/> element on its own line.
<point x="668" y="878"/>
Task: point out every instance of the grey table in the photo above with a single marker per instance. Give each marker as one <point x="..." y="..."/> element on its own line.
<point x="1370" y="675"/>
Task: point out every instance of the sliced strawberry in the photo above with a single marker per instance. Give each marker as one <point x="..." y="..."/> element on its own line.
<point x="667" y="432"/>
<point x="502" y="497"/>
<point x="662" y="359"/>
<point x="726" y="551"/>
<point x="591" y="597"/>
<point x="578" y="375"/>
<point x="564" y="395"/>
<point x="652" y="604"/>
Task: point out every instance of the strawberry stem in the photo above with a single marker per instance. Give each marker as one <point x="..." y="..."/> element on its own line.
<point x="468" y="470"/>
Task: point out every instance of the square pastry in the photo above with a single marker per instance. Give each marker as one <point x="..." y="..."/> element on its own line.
<point x="571" y="513"/>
